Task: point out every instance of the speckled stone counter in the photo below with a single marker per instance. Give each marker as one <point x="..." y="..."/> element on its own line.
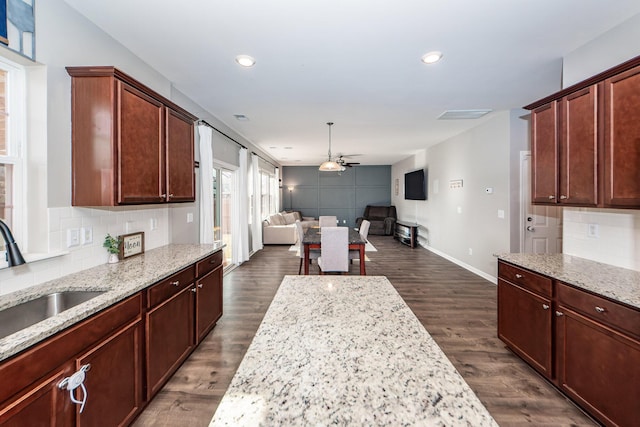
<point x="117" y="280"/>
<point x="619" y="284"/>
<point x="345" y="350"/>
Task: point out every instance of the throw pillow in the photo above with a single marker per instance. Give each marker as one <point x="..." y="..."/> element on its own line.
<point x="276" y="219"/>
<point x="298" y="216"/>
<point x="289" y="218"/>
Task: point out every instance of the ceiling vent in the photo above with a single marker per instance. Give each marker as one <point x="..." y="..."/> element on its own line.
<point x="463" y="114"/>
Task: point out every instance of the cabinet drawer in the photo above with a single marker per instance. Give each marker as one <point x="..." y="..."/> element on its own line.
<point x="208" y="264"/>
<point x="600" y="309"/>
<point x="170" y="286"/>
<point x="525" y="278"/>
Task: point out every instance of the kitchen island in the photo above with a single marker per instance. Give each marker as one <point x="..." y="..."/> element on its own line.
<point x="345" y="351"/>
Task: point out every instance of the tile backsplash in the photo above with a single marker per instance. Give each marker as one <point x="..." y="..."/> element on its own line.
<point x="610" y="236"/>
<point x="154" y="221"/>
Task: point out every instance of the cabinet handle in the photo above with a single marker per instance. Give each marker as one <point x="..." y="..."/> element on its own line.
<point x="170" y="196"/>
<point x="194" y="290"/>
<point x="176" y="283"/>
<point x="545" y="306"/>
<point x="200" y="285"/>
<point x="212" y="261"/>
<point x="559" y="313"/>
<point x="519" y="276"/>
<point x="552" y="197"/>
<point x="563" y="197"/>
<point x="600" y="309"/>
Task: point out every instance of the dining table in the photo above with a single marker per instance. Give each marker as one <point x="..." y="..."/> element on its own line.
<point x="312" y="240"/>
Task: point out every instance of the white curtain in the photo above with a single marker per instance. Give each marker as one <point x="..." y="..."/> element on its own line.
<point x="277" y="189"/>
<point x="240" y="249"/>
<point x="206" y="184"/>
<point x="256" y="220"/>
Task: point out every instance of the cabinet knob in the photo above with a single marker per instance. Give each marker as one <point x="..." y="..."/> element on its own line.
<point x="194" y="290"/>
<point x="552" y="197"/>
<point x="559" y="313"/>
<point x="200" y="285"/>
<point x="176" y="283"/>
<point x="563" y="197"/>
<point x="545" y="306"/>
<point x="600" y="309"/>
<point x="519" y="276"/>
<point x="170" y="196"/>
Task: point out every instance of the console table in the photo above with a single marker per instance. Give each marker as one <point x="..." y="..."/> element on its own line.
<point x="407" y="233"/>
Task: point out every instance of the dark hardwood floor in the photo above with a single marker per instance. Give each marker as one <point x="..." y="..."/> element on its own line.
<point x="457" y="307"/>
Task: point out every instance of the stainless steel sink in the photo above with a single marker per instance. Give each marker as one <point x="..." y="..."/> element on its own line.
<point x="31" y="312"/>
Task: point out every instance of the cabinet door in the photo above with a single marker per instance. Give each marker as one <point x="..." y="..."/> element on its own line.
<point x="114" y="381"/>
<point x="140" y="147"/>
<point x="622" y="140"/>
<point x="44" y="404"/>
<point x="209" y="302"/>
<point x="524" y="324"/>
<point x="179" y="152"/>
<point x="544" y="154"/>
<point x="579" y="148"/>
<point x="598" y="368"/>
<point x="170" y="337"/>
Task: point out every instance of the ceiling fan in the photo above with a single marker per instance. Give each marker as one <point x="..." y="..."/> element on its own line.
<point x="344" y="163"/>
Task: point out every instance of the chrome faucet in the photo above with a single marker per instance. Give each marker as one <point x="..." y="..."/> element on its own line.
<point x="14" y="257"/>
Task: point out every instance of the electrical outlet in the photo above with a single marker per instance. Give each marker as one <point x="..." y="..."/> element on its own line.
<point x="73" y="237"/>
<point x="86" y="235"/>
<point x="593" y="231"/>
<point x="153" y="223"/>
<point x="190" y="217"/>
<point x="470" y="251"/>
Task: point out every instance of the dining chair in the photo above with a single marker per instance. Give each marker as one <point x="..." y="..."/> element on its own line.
<point x="328" y="221"/>
<point x="334" y="250"/>
<point x="313" y="253"/>
<point x="364" y="233"/>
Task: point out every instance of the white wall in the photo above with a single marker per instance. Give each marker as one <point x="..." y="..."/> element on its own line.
<point x="455" y="220"/>
<point x="619" y="230"/>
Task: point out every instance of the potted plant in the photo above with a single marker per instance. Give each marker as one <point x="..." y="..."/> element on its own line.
<point x="113" y="247"/>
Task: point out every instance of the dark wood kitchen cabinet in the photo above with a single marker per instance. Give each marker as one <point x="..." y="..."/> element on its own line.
<point x="130" y="145"/>
<point x="584" y="142"/>
<point x="209" y="294"/>
<point x="170" y="327"/>
<point x="525" y="315"/>
<point x="564" y="147"/>
<point x="110" y="342"/>
<point x="591" y="345"/>
<point x="622" y="140"/>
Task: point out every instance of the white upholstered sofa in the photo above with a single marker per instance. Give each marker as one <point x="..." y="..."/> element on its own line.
<point x="279" y="229"/>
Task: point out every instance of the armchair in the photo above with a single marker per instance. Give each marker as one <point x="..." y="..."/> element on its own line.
<point x="382" y="219"/>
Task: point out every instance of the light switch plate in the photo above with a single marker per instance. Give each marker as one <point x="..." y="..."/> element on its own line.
<point x="86" y="235"/>
<point x="73" y="237"/>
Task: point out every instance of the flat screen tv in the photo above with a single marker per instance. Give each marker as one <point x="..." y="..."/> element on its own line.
<point x="414" y="185"/>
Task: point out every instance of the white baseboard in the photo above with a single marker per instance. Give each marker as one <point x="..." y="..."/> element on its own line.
<point x="464" y="265"/>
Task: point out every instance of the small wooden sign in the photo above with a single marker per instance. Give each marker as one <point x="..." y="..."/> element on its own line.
<point x="131" y="244"/>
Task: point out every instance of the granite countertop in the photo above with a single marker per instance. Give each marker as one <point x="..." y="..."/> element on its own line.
<point x="345" y="350"/>
<point x="117" y="280"/>
<point x="616" y="283"/>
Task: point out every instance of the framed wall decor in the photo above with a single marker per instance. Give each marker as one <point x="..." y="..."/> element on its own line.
<point x="132" y="244"/>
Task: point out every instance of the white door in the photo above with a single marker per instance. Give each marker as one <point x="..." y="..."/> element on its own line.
<point x="541" y="226"/>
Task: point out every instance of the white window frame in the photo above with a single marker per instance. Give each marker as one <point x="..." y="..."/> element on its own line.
<point x="16" y="147"/>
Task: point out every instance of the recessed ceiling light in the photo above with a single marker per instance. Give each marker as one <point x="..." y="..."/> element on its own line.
<point x="431" y="57"/>
<point x="241" y="117"/>
<point x="245" y="60"/>
<point x="463" y="114"/>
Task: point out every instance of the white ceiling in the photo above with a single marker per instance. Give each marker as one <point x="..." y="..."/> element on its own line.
<point x="355" y="63"/>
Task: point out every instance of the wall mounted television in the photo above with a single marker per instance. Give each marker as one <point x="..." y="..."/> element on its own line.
<point x="414" y="185"/>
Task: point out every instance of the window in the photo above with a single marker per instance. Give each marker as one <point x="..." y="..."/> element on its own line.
<point x="268" y="190"/>
<point x="11" y="136"/>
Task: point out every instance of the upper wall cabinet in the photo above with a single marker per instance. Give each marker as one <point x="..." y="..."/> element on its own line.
<point x="585" y="142"/>
<point x="130" y="145"/>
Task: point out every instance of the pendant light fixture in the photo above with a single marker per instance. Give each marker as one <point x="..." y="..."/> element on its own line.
<point x="330" y="165"/>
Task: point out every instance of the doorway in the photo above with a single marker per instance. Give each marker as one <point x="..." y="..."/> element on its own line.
<point x="540" y="226"/>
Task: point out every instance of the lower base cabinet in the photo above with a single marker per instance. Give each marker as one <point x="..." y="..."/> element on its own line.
<point x="115" y="379"/>
<point x="586" y="345"/>
<point x="132" y="350"/>
<point x="598" y="368"/>
<point x="170" y="338"/>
